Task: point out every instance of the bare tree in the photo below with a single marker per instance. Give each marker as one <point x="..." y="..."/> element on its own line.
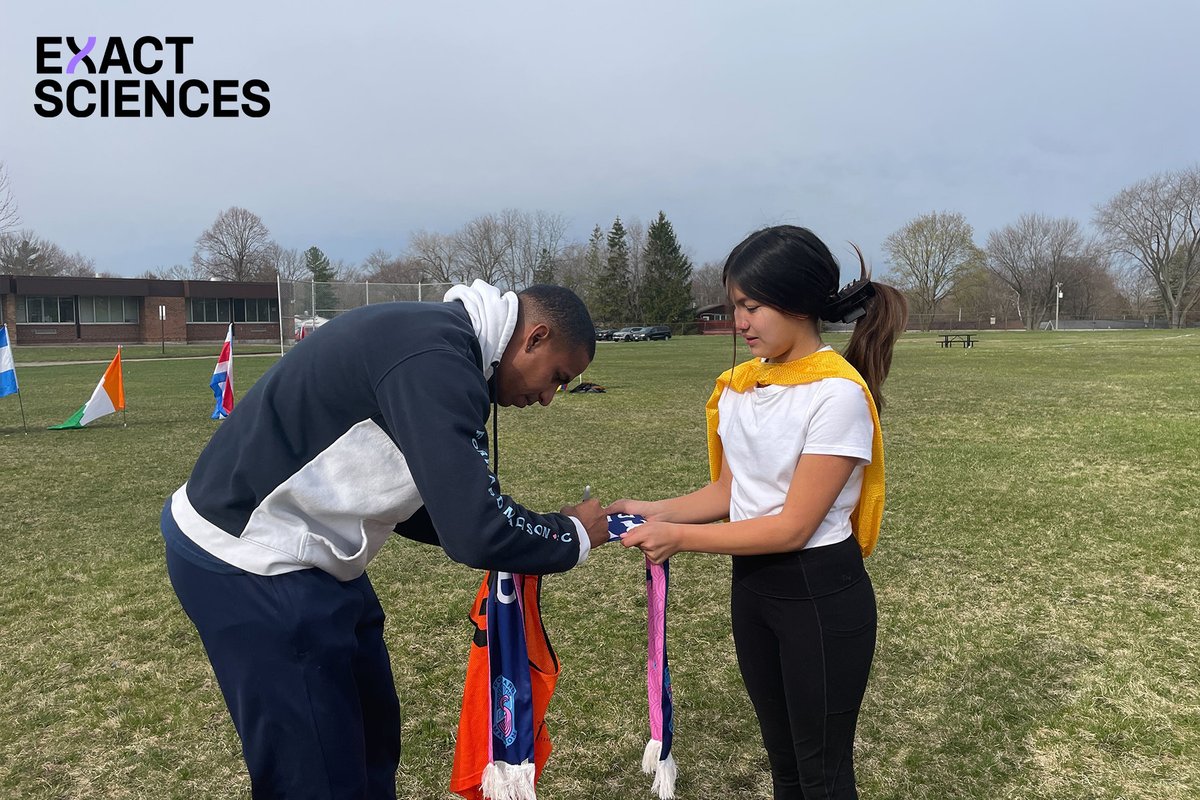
<point x="287" y="263"/>
<point x="1138" y="290"/>
<point x="635" y="234"/>
<point x="1155" y="224"/>
<point x="1030" y="254"/>
<point x="926" y="256"/>
<point x="439" y="256"/>
<point x="571" y="268"/>
<point x="707" y="288"/>
<point x="74" y="265"/>
<point x="1192" y="303"/>
<point x="377" y="261"/>
<point x="549" y="231"/>
<point x="176" y="272"/>
<point x="343" y="270"/>
<point x="9" y="218"/>
<point x="486" y="245"/>
<point x="579" y="263"/>
<point x="533" y="237"/>
<point x="978" y="292"/>
<point x="1089" y="286"/>
<point x="19" y="253"/>
<point x="26" y="253"/>
<point x="236" y="247"/>
<point x="382" y="267"/>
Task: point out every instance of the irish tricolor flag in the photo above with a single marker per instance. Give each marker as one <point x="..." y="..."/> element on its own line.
<point x="108" y="398"/>
<point x="222" y="378"/>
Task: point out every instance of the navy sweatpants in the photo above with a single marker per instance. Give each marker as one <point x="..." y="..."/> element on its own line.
<point x="301" y="661"/>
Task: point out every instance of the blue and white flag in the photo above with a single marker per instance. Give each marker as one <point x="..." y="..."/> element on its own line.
<point x="8" y="371"/>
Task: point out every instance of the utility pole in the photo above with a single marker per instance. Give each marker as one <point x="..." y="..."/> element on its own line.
<point x="1057" y="297"/>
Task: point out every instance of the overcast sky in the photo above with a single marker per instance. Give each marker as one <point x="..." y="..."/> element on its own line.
<point x="388" y="117"/>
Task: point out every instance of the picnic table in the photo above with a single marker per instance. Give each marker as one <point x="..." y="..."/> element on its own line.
<point x="967" y="339"/>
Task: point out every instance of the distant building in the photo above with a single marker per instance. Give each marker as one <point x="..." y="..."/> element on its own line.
<point x="54" y="310"/>
<point x="714" y="319"/>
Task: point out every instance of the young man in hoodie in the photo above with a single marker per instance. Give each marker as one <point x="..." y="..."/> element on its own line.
<point x="376" y="423"/>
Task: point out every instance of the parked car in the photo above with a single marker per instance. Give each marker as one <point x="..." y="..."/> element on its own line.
<point x="651" y="333"/>
<point x="604" y="334"/>
<point x="625" y="334"/>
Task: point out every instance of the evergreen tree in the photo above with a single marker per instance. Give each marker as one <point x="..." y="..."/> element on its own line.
<point x="595" y="254"/>
<point x="666" y="290"/>
<point x="611" y="293"/>
<point x="543" y="270"/>
<point x="26" y="258"/>
<point x="317" y="263"/>
<point x="593" y="266"/>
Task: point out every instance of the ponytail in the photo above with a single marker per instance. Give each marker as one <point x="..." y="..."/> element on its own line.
<point x="870" y="347"/>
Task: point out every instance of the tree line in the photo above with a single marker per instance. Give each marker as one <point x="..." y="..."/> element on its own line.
<point x="632" y="273"/>
<point x="1141" y="258"/>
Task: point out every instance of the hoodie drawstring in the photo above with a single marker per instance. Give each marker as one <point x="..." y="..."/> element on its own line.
<point x="495" y="426"/>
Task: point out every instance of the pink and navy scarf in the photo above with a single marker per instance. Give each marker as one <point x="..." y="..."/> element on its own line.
<point x="657" y="759"/>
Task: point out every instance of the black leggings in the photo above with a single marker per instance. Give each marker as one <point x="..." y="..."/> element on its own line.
<point x="804" y="628"/>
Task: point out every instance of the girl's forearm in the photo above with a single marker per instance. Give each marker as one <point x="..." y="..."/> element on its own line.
<point x="707" y="504"/>
<point x="758" y="536"/>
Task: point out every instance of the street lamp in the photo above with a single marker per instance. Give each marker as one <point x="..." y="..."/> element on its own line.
<point x="1057" y="297"/>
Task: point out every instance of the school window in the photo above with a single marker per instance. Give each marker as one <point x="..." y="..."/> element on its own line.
<point x="208" y="309"/>
<point x="265" y="310"/>
<point x="108" y="309"/>
<point x="35" y="309"/>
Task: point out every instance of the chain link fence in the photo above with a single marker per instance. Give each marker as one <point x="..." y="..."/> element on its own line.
<point x="307" y="305"/>
<point x="958" y="321"/>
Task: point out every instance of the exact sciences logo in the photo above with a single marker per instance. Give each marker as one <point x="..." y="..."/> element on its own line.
<point x="143" y="96"/>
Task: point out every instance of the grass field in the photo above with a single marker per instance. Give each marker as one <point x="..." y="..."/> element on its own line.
<point x="1038" y="579"/>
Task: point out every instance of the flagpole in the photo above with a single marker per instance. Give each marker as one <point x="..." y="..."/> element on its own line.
<point x="22" y="402"/>
<point x="279" y="300"/>
<point x="124" y="412"/>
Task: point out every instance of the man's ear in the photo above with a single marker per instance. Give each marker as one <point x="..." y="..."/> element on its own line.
<point x="535" y="336"/>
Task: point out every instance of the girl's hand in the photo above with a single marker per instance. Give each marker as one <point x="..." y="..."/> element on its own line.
<point x="658" y="540"/>
<point x="644" y="508"/>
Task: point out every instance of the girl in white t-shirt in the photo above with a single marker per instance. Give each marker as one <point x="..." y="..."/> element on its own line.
<point x="795" y="432"/>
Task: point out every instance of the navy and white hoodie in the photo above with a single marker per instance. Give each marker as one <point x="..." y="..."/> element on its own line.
<point x="374" y="423"/>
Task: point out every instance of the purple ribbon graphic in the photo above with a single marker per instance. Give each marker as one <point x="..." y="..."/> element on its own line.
<point x="82" y="54"/>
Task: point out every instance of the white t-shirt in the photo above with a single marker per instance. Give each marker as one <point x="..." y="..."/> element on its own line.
<point x="765" y="430"/>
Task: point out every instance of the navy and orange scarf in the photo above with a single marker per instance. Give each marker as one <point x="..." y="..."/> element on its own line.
<point x="503" y="743"/>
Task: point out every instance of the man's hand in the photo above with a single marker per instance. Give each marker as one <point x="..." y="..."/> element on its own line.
<point x="647" y="509"/>
<point x="593" y="518"/>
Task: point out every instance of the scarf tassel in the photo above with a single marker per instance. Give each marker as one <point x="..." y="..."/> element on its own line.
<point x="663" y="770"/>
<point x="503" y="781"/>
